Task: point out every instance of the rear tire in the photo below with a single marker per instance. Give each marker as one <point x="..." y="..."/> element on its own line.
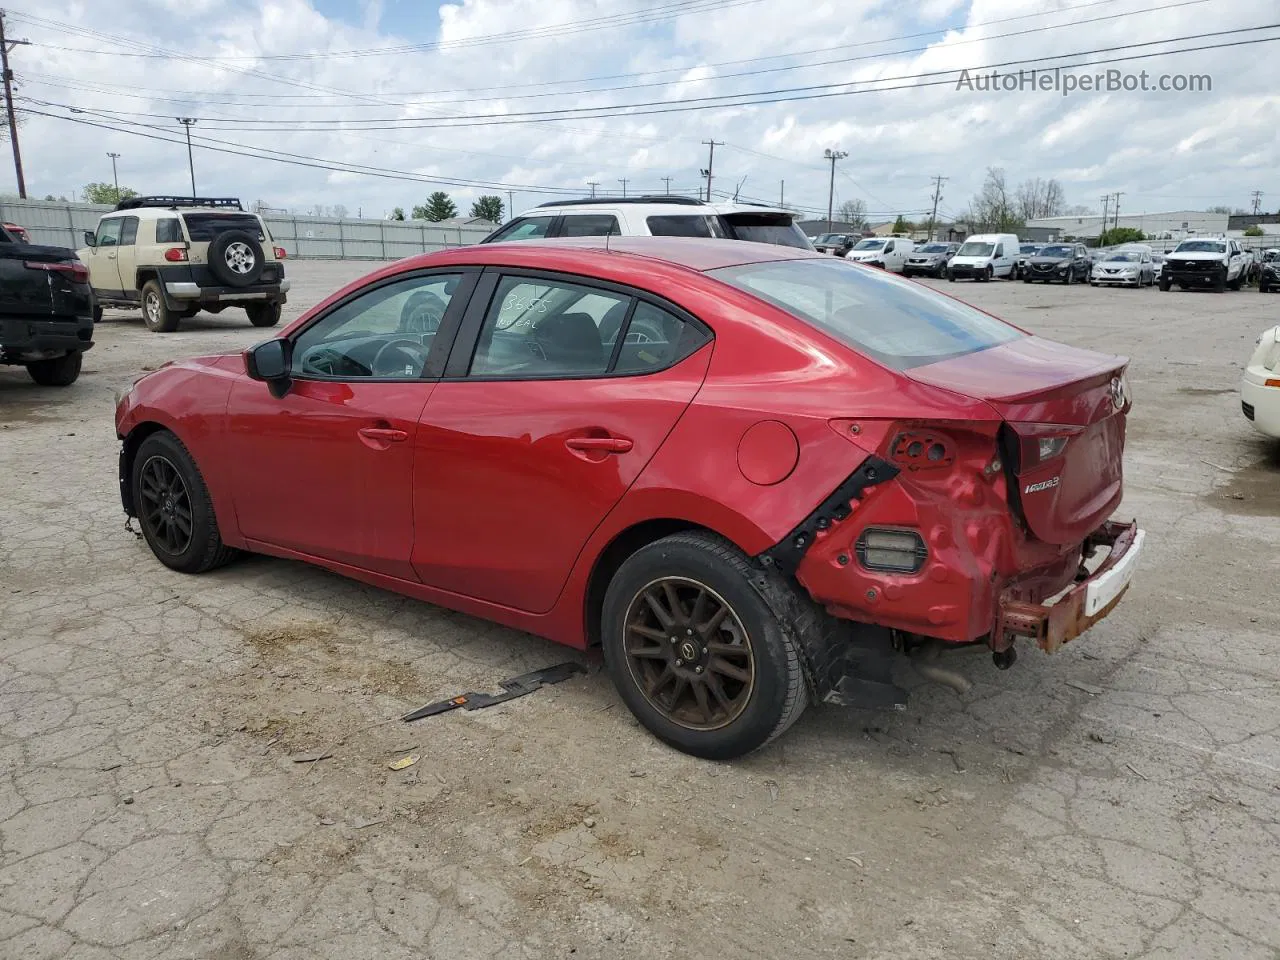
<point x="1262" y="286"/>
<point x="747" y="687"/>
<point x="263" y="314"/>
<point x="155" y="312"/>
<point x="174" y="508"/>
<point x="1165" y="285"/>
<point x="57" y="372"/>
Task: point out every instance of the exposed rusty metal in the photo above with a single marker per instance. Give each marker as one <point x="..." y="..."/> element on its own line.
<point x="1052" y="625"/>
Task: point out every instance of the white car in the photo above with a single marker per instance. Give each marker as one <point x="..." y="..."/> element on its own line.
<point x="660" y="216"/>
<point x="1260" y="386"/>
<point x="887" y="252"/>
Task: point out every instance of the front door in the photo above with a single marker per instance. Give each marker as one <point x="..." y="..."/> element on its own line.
<point x="563" y="394"/>
<point x="104" y="269"/>
<point x="327" y="469"/>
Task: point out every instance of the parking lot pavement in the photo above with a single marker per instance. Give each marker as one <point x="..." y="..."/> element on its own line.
<point x="160" y="795"/>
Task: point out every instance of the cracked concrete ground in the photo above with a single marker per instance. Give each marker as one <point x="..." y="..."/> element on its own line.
<point x="1118" y="799"/>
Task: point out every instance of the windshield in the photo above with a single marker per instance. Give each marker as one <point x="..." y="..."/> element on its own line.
<point x="1028" y="248"/>
<point x="868" y="245"/>
<point x="1201" y="246"/>
<point x="975" y="250"/>
<point x="1057" y="252"/>
<point x="934" y="248"/>
<point x="775" y="228"/>
<point x="896" y="322"/>
<point x="1125" y="258"/>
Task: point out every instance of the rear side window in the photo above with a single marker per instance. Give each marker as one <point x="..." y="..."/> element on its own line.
<point x="129" y="232"/>
<point x="528" y="228"/>
<point x="656" y="339"/>
<point x="684" y="226"/>
<point x="893" y="321"/>
<point x="168" y="230"/>
<point x="590" y="225"/>
<point x="204" y="227"/>
<point x="777" y="229"/>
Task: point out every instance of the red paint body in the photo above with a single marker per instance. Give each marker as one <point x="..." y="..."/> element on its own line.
<point x="499" y="498"/>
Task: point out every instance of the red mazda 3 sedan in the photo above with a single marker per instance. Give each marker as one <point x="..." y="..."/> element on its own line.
<point x="747" y="472"/>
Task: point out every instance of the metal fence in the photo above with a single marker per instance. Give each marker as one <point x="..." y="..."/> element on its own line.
<point x="320" y="238"/>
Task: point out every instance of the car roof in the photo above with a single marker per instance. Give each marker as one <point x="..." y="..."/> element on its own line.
<point x="153" y="213"/>
<point x="649" y="206"/>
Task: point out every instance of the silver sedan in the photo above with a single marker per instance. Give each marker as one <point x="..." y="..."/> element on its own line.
<point x="1125" y="268"/>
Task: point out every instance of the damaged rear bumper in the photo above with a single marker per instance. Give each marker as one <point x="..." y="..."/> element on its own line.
<point x="1088" y="601"/>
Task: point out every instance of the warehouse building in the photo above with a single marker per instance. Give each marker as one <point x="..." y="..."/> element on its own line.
<point x="1168" y="226"/>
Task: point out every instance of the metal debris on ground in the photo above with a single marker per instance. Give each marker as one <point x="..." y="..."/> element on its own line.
<point x="1088" y="688"/>
<point x="311" y="757"/>
<point x="404" y="762"/>
<point x="511" y="689"/>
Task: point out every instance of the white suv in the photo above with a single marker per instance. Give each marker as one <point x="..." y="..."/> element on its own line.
<point x="176" y="256"/>
<point x="654" y="217"/>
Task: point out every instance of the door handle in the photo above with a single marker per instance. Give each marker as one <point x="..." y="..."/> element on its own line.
<point x="599" y="444"/>
<point x="377" y="436"/>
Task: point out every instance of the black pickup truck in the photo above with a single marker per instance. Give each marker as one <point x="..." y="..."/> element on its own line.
<point x="46" y="310"/>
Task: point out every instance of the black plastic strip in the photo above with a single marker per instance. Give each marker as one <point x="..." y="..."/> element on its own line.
<point x="786" y="554"/>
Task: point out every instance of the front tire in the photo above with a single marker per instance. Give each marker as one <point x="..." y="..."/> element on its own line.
<point x="696" y="652"/>
<point x="1235" y="284"/>
<point x="174" y="508"/>
<point x="58" y="372"/>
<point x="263" y="314"/>
<point x="155" y="311"/>
<point x="987" y="275"/>
<point x="1165" y="285"/>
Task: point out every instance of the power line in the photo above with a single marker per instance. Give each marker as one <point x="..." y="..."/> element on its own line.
<point x="789" y="94"/>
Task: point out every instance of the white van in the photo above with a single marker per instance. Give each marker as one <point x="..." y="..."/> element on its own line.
<point x="984" y="256"/>
<point x="887" y="252"/>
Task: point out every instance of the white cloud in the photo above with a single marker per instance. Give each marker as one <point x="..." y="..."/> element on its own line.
<point x="1161" y="150"/>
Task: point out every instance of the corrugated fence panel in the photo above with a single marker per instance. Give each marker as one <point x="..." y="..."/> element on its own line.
<point x="63" y="225"/>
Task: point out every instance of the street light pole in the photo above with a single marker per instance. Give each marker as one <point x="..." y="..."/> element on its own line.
<point x="191" y="164"/>
<point x="115" y="179"/>
<point x="833" y="156"/>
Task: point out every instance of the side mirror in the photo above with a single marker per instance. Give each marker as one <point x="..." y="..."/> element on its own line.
<point x="269" y="361"/>
<point x="90" y="238"/>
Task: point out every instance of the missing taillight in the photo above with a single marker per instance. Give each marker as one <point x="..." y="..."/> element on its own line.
<point x="919" y="450"/>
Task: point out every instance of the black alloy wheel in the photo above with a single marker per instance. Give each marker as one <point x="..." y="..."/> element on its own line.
<point x="165" y="507"/>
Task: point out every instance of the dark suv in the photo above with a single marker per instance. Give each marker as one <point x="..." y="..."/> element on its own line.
<point x="1063" y="262"/>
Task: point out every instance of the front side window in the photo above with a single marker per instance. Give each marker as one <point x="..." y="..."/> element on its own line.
<point x="109" y="232"/>
<point x="386" y="332"/>
<point x="893" y="321"/>
<point x="526" y="228"/>
<point x="889" y="247"/>
<point x="590" y="225"/>
<point x="548" y="329"/>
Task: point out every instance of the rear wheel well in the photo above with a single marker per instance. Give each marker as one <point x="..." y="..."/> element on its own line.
<point x="131" y="444"/>
<point x="615" y="554"/>
<point x="145" y="274"/>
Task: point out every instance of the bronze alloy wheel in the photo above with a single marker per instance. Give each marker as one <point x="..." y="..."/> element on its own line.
<point x="165" y="506"/>
<point x="688" y="653"/>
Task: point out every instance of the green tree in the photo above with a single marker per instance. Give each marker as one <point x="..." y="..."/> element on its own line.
<point x="902" y="225"/>
<point x="1254" y="231"/>
<point x="107" y="193"/>
<point x="488" y="207"/>
<point x="397" y="214"/>
<point x="438" y="207"/>
<point x="1118" y="235"/>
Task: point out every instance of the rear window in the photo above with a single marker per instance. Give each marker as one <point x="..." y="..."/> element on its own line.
<point x="778" y="229"/>
<point x="203" y="227"/>
<point x="684" y="226"/>
<point x="896" y="322"/>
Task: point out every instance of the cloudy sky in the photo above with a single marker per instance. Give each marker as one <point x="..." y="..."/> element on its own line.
<point x="543" y="97"/>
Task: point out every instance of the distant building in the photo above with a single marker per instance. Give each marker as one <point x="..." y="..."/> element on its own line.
<point x="1243" y="221"/>
<point x="1170" y="226"/>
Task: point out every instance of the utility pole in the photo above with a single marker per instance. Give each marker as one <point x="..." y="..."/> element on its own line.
<point x="114" y="178"/>
<point x="711" y="161"/>
<point x="1106" y="205"/>
<point x="1257" y="201"/>
<point x="511" y="204"/>
<point x="5" y="46"/>
<point x="938" y="181"/>
<point x="593" y="184"/>
<point x="623" y="181"/>
<point x="1117" y="210"/>
<point x="833" y="156"/>
<point x="782" y="193"/>
<point x="667" y="181"/>
<point x="191" y="164"/>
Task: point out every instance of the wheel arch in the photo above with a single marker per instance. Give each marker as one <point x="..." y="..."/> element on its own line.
<point x="129" y="452"/>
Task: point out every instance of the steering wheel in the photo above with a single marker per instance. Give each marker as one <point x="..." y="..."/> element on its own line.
<point x="422" y="313"/>
<point x="399" y="358"/>
<point x="323" y="360"/>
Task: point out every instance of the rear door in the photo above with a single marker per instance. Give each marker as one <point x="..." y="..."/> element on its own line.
<point x="127" y="253"/>
<point x="558" y="391"/>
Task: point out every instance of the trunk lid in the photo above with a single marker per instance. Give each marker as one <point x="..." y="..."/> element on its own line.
<point x="35" y="292"/>
<point x="1063" y="441"/>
